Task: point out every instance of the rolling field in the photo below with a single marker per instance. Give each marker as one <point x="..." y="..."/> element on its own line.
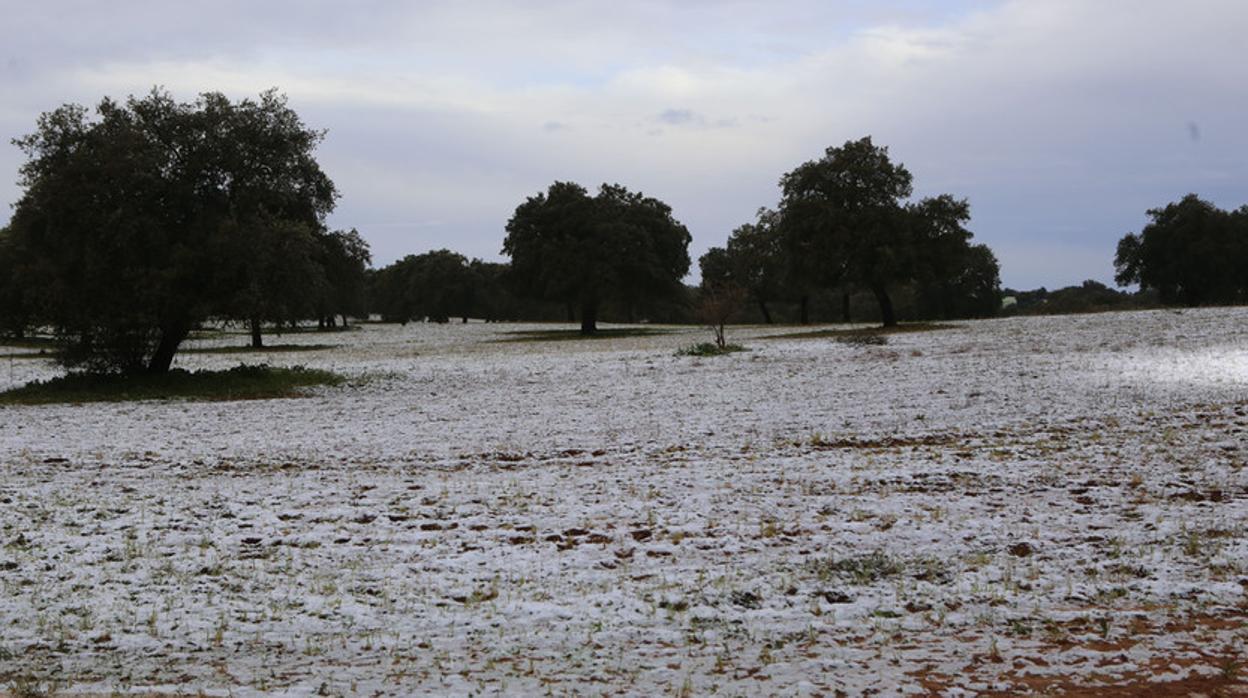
<point x="1048" y="505"/>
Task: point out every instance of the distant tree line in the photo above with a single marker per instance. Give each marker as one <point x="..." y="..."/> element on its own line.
<point x="438" y="286"/>
<point x="573" y="257"/>
<point x="142" y="220"/>
<point x="1088" y="297"/>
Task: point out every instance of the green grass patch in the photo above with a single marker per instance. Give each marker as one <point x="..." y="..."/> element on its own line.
<point x="238" y="383"/>
<point x="48" y="349"/>
<point x="573" y="335"/>
<point x="32" y="342"/>
<point x="903" y="328"/>
<point x="248" y="349"/>
<point x="709" y="349"/>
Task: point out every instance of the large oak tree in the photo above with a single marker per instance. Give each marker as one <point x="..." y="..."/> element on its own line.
<point x="143" y="220"/>
<point x="584" y="250"/>
<point x="848" y="221"/>
<point x="1191" y="252"/>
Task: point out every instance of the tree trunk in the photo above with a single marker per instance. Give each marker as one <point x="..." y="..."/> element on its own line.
<point x="344" y="321"/>
<point x="762" y="306"/>
<point x="589" y="317"/>
<point x="256" y="340"/>
<point x="464" y="320"/>
<point x="170" y="337"/>
<point x="886" y="305"/>
<point x="320" y="322"/>
<point x="804" y="314"/>
<point x="845" y="307"/>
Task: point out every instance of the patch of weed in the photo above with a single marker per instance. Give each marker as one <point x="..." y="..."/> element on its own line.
<point x="860" y="570"/>
<point x="709" y="349"/>
<point x="238" y="383"/>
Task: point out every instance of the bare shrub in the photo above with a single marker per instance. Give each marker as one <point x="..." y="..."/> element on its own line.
<point x="717" y="306"/>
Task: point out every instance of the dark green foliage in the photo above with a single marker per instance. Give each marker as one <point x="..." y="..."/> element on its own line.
<point x="436" y="285"/>
<point x="952" y="277"/>
<point x="14" y="299"/>
<point x="846" y="222"/>
<point x="238" y="383"/>
<point x="442" y="285"/>
<point x="344" y="257"/>
<point x="491" y="296"/>
<point x="1191" y="252"/>
<point x="616" y="246"/>
<point x="137" y="224"/>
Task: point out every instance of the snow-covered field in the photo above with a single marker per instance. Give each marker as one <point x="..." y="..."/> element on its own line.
<point x="1031" y="504"/>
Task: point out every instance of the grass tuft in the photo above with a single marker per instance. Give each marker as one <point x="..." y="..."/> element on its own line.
<point x="861" y="570"/>
<point x="238" y="383"/>
<point x="709" y="349"/>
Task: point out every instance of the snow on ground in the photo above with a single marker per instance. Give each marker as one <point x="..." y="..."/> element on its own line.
<point x="1038" y="504"/>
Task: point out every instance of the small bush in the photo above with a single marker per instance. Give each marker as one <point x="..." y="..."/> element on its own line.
<point x="709" y="349"/>
<point x="238" y="383"/>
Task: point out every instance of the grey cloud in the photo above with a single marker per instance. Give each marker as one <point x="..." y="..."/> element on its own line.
<point x="678" y="117"/>
<point x="1061" y="121"/>
<point x="688" y="117"/>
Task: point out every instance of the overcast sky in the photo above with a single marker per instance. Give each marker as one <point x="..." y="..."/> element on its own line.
<point x="1061" y="121"/>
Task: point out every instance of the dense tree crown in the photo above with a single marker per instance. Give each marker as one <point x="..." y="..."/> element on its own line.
<point x="618" y="245"/>
<point x="1191" y="253"/>
<point x="344" y="258"/>
<point x="15" y="300"/>
<point x="845" y="221"/>
<point x="141" y="221"/>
